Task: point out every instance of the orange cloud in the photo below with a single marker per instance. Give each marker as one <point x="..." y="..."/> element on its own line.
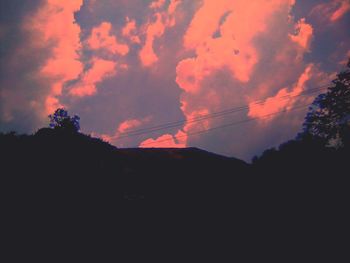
<point x="155" y="30"/>
<point x="54" y="24"/>
<point x="304" y="33"/>
<point x="166" y="141"/>
<point x="284" y="99"/>
<point x="101" y="38"/>
<point x="100" y="70"/>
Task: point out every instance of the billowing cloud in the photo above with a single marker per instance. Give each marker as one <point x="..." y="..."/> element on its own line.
<point x="125" y="128"/>
<point x="54" y="24"/>
<point x="283" y="100"/>
<point x="303" y="34"/>
<point x="130" y="31"/>
<point x="157" y="4"/>
<point x="155" y="29"/>
<point x="99" y="70"/>
<point x="166" y="141"/>
<point x="129" y="125"/>
<point x="127" y="66"/>
<point x="222" y="35"/>
<point x="224" y="42"/>
<point x="101" y="38"/>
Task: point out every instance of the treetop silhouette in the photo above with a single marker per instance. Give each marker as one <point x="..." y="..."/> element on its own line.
<point x="61" y="120"/>
<point x="329" y="115"/>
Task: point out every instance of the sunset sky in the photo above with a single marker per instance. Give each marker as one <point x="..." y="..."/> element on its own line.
<point x="126" y="65"/>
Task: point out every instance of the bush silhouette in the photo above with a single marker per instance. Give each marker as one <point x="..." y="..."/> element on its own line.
<point x="61" y="120"/>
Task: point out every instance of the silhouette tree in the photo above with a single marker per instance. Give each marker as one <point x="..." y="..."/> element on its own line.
<point x="61" y="120"/>
<point x="329" y="115"/>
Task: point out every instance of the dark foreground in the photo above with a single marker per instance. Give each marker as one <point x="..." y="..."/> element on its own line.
<point x="69" y="197"/>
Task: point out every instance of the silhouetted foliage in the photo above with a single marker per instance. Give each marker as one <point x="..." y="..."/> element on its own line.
<point x="61" y="120"/>
<point x="329" y="116"/>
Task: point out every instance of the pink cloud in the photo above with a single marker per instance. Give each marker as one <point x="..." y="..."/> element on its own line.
<point x="166" y="141"/>
<point x="54" y="24"/>
<point x="303" y="36"/>
<point x="331" y="11"/>
<point x="233" y="47"/>
<point x="157" y="4"/>
<point x="100" y="70"/>
<point x="188" y="75"/>
<point x="199" y="57"/>
<point x="125" y="128"/>
<point x="194" y="114"/>
<point x="129" y="125"/>
<point x="171" y="12"/>
<point x="341" y="11"/>
<point x="156" y="29"/>
<point x="101" y="38"/>
<point x="283" y="100"/>
<point x="173" y="5"/>
<point x="130" y="31"/>
<point x="240" y="52"/>
<point x="222" y="35"/>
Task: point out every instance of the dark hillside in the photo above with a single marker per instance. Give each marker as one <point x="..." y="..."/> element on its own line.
<point x="71" y="189"/>
<point x="75" y="156"/>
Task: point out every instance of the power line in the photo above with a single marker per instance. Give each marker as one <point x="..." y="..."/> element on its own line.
<point x="208" y="116"/>
<point x="230" y="124"/>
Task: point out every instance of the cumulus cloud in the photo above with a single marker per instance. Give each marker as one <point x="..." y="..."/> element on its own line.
<point x="124" y="130"/>
<point x="283" y="100"/>
<point x="100" y="70"/>
<point x="130" y="65"/>
<point x="130" y="31"/>
<point x="157" y="4"/>
<point x="42" y="42"/>
<point x="155" y="29"/>
<point x="54" y="24"/>
<point x="303" y="34"/>
<point x="222" y="34"/>
<point x="101" y="38"/>
<point x="245" y="52"/>
<point x="166" y="141"/>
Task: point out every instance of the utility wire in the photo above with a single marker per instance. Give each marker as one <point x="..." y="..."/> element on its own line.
<point x="209" y="116"/>
<point x="230" y="124"/>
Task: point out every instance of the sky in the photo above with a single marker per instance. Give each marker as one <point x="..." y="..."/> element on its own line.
<point x="237" y="69"/>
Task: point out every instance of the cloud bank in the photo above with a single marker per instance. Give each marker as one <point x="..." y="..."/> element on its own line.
<point x="136" y="65"/>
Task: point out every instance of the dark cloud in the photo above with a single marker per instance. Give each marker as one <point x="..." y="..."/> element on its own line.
<point x="20" y="90"/>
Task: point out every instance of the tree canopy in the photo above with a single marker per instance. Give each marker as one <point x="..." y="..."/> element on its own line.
<point x="329" y="115"/>
<point x="61" y="120"/>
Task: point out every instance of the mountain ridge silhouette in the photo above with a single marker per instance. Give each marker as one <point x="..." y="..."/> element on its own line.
<point x="69" y="188"/>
